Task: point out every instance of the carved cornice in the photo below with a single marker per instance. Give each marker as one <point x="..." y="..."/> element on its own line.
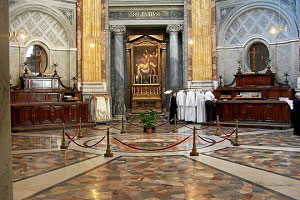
<point x="118" y="29"/>
<point x="174" y="28"/>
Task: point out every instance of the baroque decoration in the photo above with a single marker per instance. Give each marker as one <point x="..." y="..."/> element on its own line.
<point x="257" y="22"/>
<point x="36" y="24"/>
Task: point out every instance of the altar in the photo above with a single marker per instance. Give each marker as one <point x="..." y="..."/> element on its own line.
<point x="146" y="63"/>
<point x="255" y="98"/>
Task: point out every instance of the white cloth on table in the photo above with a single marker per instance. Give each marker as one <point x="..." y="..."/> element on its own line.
<point x="190" y="107"/>
<point x="181" y="97"/>
<point x="200" y="102"/>
<point x="290" y="103"/>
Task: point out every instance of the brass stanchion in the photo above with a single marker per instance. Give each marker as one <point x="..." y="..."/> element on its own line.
<point x="108" y="152"/>
<point x="175" y="125"/>
<point x="80" y="129"/>
<point x="217" y="133"/>
<point x="236" y="142"/>
<point x="123" y="128"/>
<point x="194" y="150"/>
<point x="63" y="140"/>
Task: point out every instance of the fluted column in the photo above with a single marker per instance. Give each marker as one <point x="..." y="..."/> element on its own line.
<point x="173" y="30"/>
<point x="119" y="68"/>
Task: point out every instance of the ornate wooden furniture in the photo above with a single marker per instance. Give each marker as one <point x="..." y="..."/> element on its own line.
<point x="255" y="98"/>
<point x="43" y="101"/>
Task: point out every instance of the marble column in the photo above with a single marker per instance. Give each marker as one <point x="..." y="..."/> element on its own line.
<point x="173" y="30"/>
<point x="5" y="131"/>
<point x="119" y="68"/>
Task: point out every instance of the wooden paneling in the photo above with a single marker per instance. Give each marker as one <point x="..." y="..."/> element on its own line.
<point x="259" y="110"/>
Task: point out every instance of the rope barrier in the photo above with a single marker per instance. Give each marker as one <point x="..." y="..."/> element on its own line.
<point x="141" y="149"/>
<point x="161" y="124"/>
<point x="205" y="126"/>
<point x="135" y="125"/>
<point x="74" y="134"/>
<point x="83" y="145"/>
<point x="93" y="128"/>
<point x="214" y="142"/>
<point x="221" y="128"/>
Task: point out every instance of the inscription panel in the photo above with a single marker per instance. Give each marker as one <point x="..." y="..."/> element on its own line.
<point x="148" y="14"/>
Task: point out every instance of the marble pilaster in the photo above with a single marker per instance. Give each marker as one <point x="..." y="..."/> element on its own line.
<point x="173" y="30"/>
<point x="119" y="68"/>
<point x="5" y="131"/>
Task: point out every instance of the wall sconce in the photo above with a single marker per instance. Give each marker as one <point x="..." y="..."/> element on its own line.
<point x="191" y="42"/>
<point x="92" y="44"/>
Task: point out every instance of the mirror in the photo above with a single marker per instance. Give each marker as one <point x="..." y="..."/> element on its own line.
<point x="37" y="60"/>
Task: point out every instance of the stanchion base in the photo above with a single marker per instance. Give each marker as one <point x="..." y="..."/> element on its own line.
<point x="236" y="144"/>
<point x="108" y="154"/>
<point x="64" y="146"/>
<point x="217" y="134"/>
<point x="194" y="153"/>
<point x="175" y="131"/>
<point x="123" y="131"/>
<point x="80" y="136"/>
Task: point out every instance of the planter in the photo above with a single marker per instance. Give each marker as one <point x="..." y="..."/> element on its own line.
<point x="153" y="130"/>
<point x="149" y="130"/>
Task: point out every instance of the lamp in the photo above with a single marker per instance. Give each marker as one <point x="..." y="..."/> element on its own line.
<point x="279" y="27"/>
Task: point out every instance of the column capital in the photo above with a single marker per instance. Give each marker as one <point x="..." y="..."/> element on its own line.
<point x="117" y="29"/>
<point x="174" y="28"/>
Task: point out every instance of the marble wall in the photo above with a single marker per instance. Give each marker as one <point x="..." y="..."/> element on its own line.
<point x="5" y="132"/>
<point x="50" y="24"/>
<point x="240" y="24"/>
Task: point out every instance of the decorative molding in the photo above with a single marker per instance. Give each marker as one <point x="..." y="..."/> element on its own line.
<point x="225" y="12"/>
<point x="118" y="29"/>
<point x="257" y="21"/>
<point x="146" y="15"/>
<point x="174" y="28"/>
<point x="69" y="13"/>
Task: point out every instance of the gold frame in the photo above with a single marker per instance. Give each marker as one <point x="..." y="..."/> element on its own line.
<point x="154" y="93"/>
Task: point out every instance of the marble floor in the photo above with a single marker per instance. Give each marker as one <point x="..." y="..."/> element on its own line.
<point x="157" y="165"/>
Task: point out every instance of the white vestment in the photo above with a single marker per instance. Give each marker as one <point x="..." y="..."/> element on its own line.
<point x="190" y="107"/>
<point x="181" y="97"/>
<point x="200" y="102"/>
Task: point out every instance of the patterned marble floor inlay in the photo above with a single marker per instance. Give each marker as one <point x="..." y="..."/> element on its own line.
<point x="284" y="163"/>
<point x="169" y="177"/>
<point x="276" y="140"/>
<point x="31" y="164"/>
<point x="20" y="142"/>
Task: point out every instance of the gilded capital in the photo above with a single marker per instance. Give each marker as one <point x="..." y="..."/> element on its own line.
<point x="174" y="28"/>
<point x="118" y="29"/>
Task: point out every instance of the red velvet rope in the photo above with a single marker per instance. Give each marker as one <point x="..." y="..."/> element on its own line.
<point x="220" y="140"/>
<point x="135" y="125"/>
<point x="162" y="124"/>
<point x="83" y="145"/>
<point x="221" y="128"/>
<point x="93" y="128"/>
<point x="75" y="133"/>
<point x="198" y="129"/>
<point x="141" y="149"/>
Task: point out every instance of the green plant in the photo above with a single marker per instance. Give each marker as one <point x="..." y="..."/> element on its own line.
<point x="148" y="119"/>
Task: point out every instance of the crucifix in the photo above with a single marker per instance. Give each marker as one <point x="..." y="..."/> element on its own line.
<point x="254" y="53"/>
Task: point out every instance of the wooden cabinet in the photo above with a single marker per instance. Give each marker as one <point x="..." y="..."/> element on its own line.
<point x="48" y="112"/>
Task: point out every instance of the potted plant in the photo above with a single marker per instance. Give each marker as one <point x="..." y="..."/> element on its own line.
<point x="148" y="119"/>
